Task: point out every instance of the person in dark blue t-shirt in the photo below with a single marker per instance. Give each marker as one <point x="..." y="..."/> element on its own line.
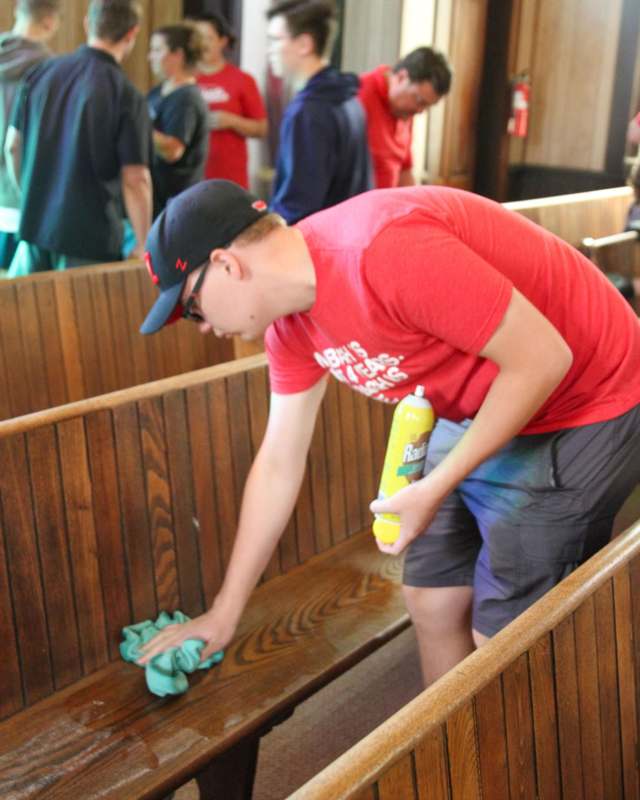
<point x="323" y="156"/>
<point x="178" y="112"/>
<point x="79" y="144"/>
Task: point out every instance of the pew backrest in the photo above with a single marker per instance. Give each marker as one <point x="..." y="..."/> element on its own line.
<point x="69" y="335"/>
<point x="115" y="507"/>
<point x="573" y="217"/>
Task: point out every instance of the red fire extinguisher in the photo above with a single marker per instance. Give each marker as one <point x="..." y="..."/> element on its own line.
<point x="518" y="124"/>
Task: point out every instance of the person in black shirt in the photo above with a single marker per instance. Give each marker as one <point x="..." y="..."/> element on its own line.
<point x="79" y="141"/>
<point x="178" y="112"/>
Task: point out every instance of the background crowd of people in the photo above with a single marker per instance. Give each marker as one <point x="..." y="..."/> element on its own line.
<point x="87" y="162"/>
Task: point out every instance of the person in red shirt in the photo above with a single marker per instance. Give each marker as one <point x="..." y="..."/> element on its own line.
<point x="236" y="110"/>
<point x="527" y="353"/>
<point x="391" y="98"/>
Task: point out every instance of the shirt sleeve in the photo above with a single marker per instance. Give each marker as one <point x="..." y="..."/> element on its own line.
<point x="305" y="165"/>
<point x="134" y="133"/>
<point x="431" y="281"/>
<point x="292" y="366"/>
<point x="252" y="105"/>
<point x="407" y="162"/>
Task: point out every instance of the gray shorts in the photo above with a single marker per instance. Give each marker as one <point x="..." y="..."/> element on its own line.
<point x="526" y="517"/>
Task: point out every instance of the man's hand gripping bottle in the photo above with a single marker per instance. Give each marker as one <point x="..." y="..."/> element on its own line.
<point x="406" y="453"/>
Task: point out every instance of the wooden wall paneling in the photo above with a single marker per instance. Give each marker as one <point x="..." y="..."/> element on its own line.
<point x="305" y="519"/>
<point x="135" y="309"/>
<point x="51" y="344"/>
<point x="6" y="409"/>
<point x="568" y="709"/>
<point x="258" y="388"/>
<point x="71" y="33"/>
<point x="89" y="342"/>
<point x="319" y="475"/>
<point x="53" y="549"/>
<point x="106" y="342"/>
<point x="18" y="386"/>
<point x="155" y="14"/>
<point x="364" y="451"/>
<point x="120" y="328"/>
<point x="165" y="348"/>
<point x="634" y="587"/>
<point x="185" y="529"/>
<point x="83" y="546"/>
<point x="6" y="16"/>
<point x="588" y="697"/>
<point x="570" y="92"/>
<point x="492" y="741"/>
<point x="205" y="517"/>
<point x="521" y="59"/>
<point x="223" y="467"/>
<point x="608" y="689"/>
<point x="519" y="728"/>
<point x="627" y="681"/>
<point x="239" y="432"/>
<point x="135" y="522"/>
<point x="34" y="366"/>
<point x="23" y="566"/>
<point x="337" y="502"/>
<point x="466" y="53"/>
<point x="191" y="346"/>
<point x="158" y="494"/>
<point x="350" y="458"/>
<point x="545" y="718"/>
<point x="398" y="783"/>
<point x="69" y="341"/>
<point x="11" y="699"/>
<point x="432" y="766"/>
<point x="462" y="743"/>
<point x="107" y="520"/>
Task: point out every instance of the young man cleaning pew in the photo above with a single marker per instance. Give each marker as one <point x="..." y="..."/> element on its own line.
<point x="528" y="355"/>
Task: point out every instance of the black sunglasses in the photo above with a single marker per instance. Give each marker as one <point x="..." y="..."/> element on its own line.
<point x="187" y="313"/>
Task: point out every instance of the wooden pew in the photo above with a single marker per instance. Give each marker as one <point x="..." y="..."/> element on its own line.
<point x="573" y="217"/>
<point x="74" y="334"/>
<point x="115" y="507"/>
<point x="548" y="708"/>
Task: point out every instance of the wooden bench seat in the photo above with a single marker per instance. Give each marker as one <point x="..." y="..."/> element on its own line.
<point x="116" y="507"/>
<point x="300" y="631"/>
<point x="548" y="708"/>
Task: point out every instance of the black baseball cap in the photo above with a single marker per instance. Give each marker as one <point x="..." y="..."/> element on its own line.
<point x="208" y="215"/>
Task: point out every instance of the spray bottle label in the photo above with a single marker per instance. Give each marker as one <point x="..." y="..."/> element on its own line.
<point x="405" y="457"/>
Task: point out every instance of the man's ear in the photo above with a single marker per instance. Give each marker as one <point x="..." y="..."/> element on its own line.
<point x="225" y="260"/>
<point x="305" y="44"/>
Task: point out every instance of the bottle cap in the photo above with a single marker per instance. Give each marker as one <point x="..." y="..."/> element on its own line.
<point x="419" y="392"/>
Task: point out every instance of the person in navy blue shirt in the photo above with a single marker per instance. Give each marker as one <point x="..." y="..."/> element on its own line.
<point x="79" y="143"/>
<point x="323" y="156"/>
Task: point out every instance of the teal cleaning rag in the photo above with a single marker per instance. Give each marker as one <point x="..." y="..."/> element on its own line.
<point x="167" y="672"/>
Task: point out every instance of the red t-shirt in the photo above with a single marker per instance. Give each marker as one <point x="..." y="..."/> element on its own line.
<point x="235" y="91"/>
<point x="389" y="136"/>
<point x="412" y="283"/>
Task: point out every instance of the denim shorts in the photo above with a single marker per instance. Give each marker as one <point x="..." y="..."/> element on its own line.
<point x="526" y="517"/>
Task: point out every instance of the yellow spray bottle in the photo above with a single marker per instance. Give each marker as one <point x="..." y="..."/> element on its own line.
<point x="404" y="461"/>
